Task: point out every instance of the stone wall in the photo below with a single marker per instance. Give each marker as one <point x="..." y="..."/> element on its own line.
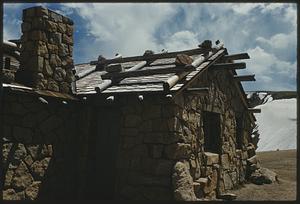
<point x="214" y="174"/>
<point x="160" y="147"/>
<point x="162" y="153"/>
<point x="145" y="161"/>
<point x="46" y="50"/>
<point x="40" y="144"/>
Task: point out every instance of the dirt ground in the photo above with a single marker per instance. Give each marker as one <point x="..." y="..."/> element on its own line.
<point x="284" y="164"/>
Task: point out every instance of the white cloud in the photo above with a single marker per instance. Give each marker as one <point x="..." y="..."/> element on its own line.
<point x="267" y="31"/>
<point x="181" y="40"/>
<point x="283" y="45"/>
<point x="127" y="28"/>
<point x="247" y="8"/>
<point x="270" y="72"/>
<point x="12" y="29"/>
<point x="244" y="8"/>
<point x="277" y="41"/>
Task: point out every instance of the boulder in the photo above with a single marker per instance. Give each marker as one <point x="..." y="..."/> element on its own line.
<point x="263" y="176"/>
<point x="182" y="183"/>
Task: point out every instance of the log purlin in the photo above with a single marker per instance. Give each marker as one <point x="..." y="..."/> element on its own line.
<point x="152" y="56"/>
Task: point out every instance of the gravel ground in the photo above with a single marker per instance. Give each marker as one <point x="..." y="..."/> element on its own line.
<point x="284" y="164"/>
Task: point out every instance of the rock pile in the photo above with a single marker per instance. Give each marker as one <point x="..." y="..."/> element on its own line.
<point x="260" y="175"/>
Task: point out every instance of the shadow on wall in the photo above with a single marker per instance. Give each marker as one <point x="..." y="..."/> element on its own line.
<point x="35" y="171"/>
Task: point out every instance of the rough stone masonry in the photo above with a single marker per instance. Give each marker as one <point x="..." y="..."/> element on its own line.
<point x="46" y="54"/>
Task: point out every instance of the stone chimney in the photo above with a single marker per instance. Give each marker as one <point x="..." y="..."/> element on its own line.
<point x="46" y="51"/>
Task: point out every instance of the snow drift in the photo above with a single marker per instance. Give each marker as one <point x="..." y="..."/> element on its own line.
<point x="277" y="124"/>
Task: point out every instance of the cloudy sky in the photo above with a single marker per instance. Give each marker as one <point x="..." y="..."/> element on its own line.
<point x="268" y="32"/>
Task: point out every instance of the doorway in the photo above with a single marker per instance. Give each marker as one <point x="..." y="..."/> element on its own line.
<point x="103" y="148"/>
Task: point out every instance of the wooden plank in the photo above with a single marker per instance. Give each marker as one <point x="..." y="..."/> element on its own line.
<point x="240" y="65"/>
<point x="244" y="77"/>
<point x="153" y="57"/>
<point x="254" y="110"/>
<point x="146" y="72"/>
<point x="236" y="56"/>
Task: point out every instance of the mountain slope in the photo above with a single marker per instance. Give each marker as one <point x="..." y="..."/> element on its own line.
<point x="277" y="124"/>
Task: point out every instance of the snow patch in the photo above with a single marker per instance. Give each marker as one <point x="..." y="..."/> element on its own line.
<point x="277" y="124"/>
<point x="262" y="95"/>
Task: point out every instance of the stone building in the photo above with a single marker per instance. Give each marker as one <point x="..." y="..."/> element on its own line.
<point x="166" y="126"/>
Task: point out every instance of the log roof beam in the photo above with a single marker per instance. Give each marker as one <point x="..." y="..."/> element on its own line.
<point x="254" y="110"/>
<point x="244" y="77"/>
<point x="240" y="65"/>
<point x="236" y="56"/>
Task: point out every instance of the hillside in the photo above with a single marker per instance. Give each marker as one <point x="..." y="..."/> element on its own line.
<point x="277" y="120"/>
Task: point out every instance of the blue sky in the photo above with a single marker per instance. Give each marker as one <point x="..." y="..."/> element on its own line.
<point x="268" y="32"/>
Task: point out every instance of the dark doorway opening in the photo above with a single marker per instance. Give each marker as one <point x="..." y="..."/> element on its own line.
<point x="239" y="132"/>
<point x="212" y="132"/>
<point x="104" y="141"/>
